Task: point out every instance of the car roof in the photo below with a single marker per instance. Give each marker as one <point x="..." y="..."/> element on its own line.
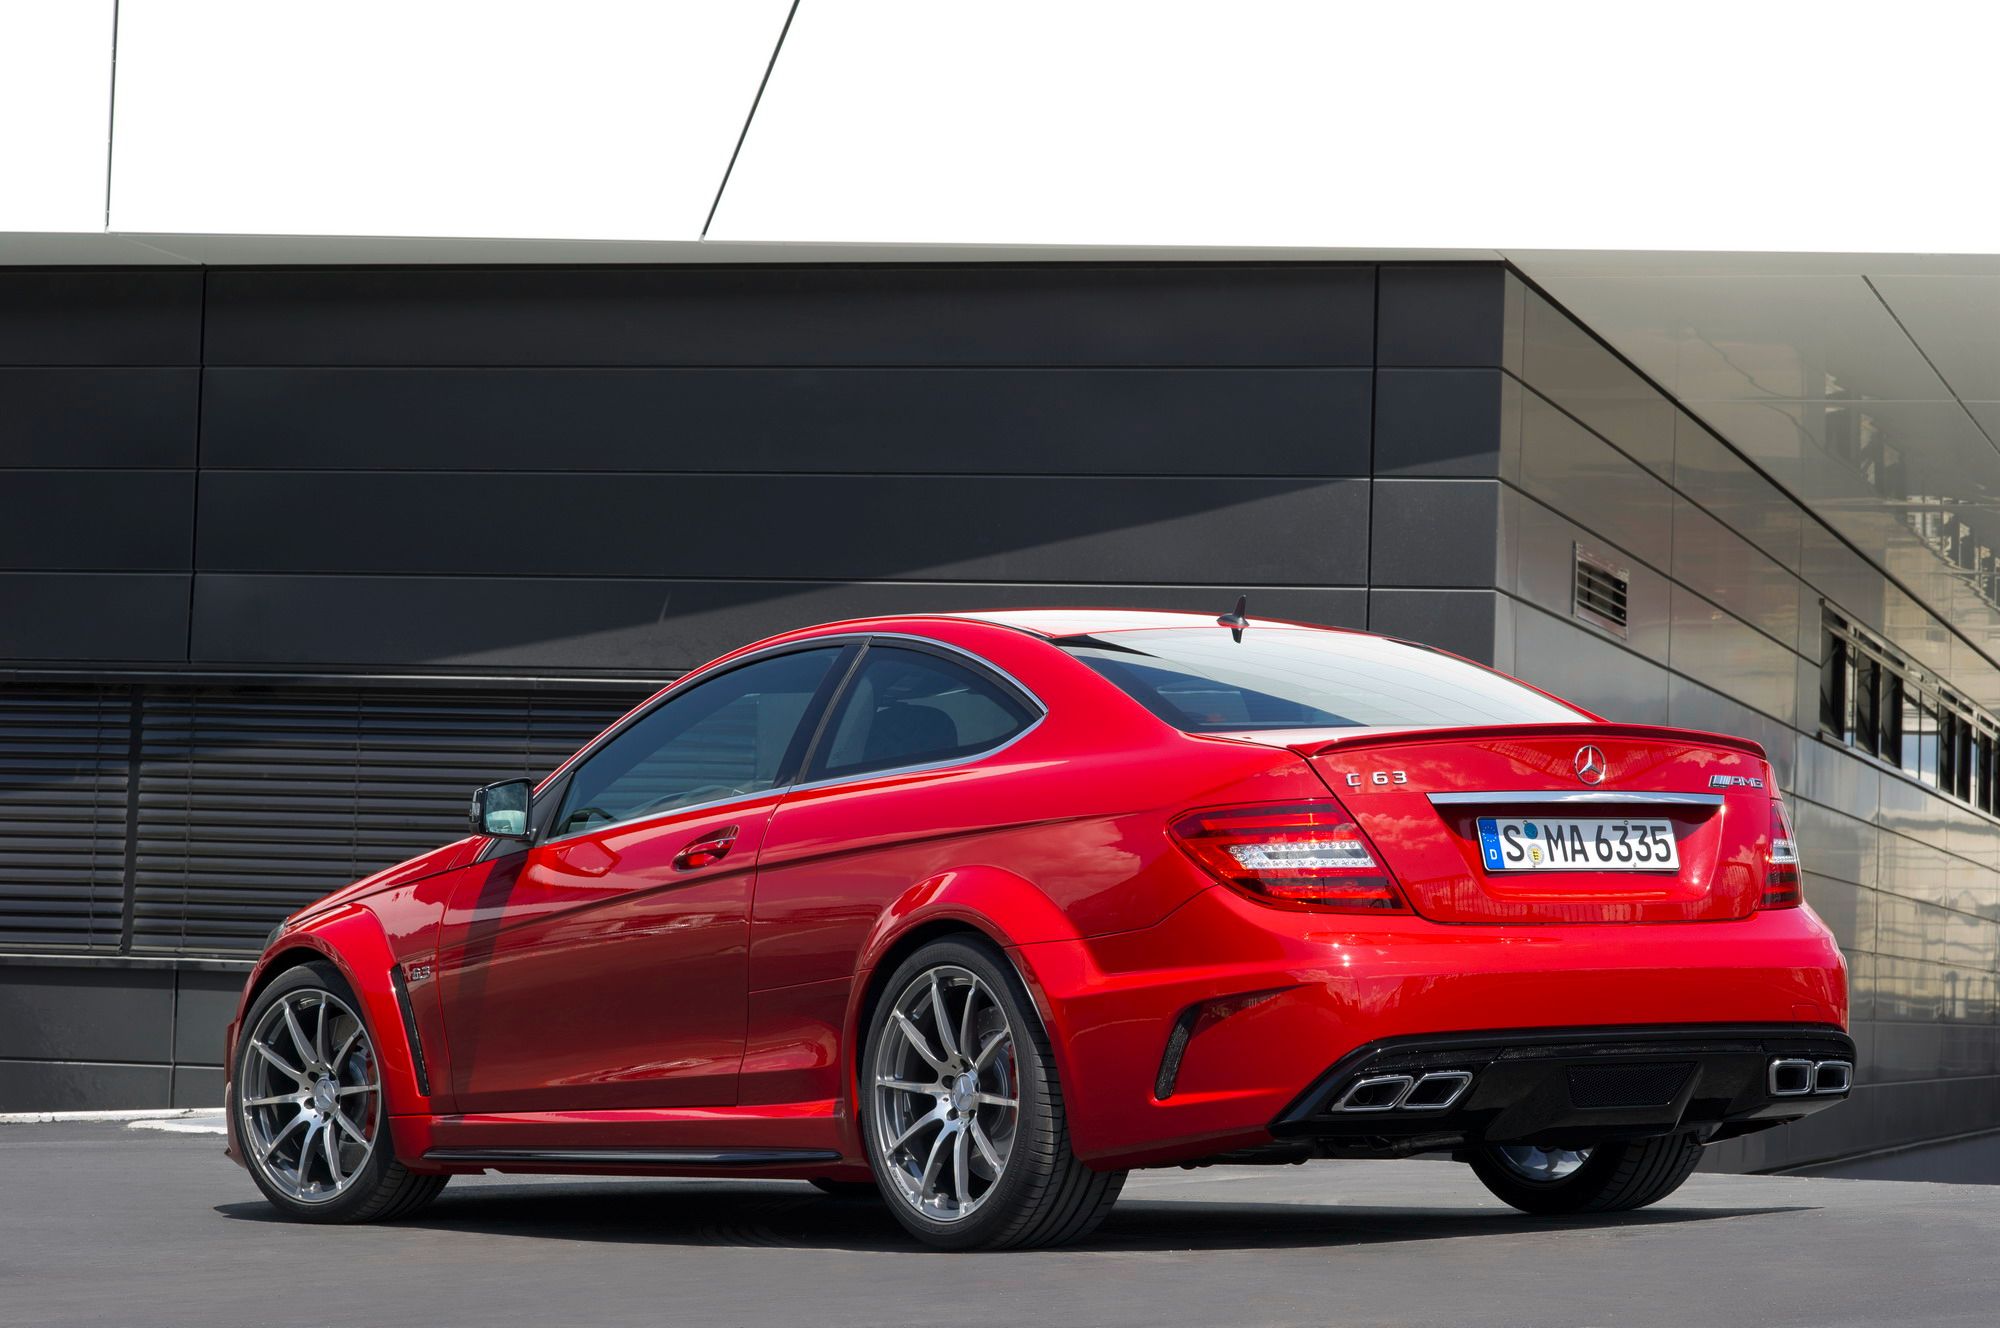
<point x="1093" y="622"/>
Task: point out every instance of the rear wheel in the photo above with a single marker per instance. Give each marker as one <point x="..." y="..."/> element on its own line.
<point x="306" y="1092"/>
<point x="963" y="1112"/>
<point x="1610" y="1178"/>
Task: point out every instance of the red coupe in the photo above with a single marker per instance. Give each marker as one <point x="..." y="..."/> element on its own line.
<point x="981" y="911"/>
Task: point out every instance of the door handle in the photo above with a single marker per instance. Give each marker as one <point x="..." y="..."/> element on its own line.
<point x="705" y="851"/>
<point x="584" y="857"/>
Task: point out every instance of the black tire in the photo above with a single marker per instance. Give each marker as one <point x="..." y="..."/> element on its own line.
<point x="848" y="1189"/>
<point x="1615" y="1178"/>
<point x="1043" y="1196"/>
<point x="382" y="1189"/>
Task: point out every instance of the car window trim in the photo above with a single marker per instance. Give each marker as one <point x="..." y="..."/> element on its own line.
<point x="847" y="646"/>
<point x="923" y="645"/>
<point x="741" y="799"/>
<point x="827" y="713"/>
<point x="946" y="764"/>
<point x="858" y="642"/>
<point x="824" y="698"/>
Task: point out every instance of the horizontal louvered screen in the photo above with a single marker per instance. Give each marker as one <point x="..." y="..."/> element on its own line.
<point x="63" y="772"/>
<point x="247" y="801"/>
<point x="252" y="804"/>
<point x="1602" y="593"/>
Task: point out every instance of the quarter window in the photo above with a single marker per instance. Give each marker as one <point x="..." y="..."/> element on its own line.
<point x="909" y="708"/>
<point x="721" y="738"/>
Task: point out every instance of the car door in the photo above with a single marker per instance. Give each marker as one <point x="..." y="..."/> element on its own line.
<point x="899" y="777"/>
<point x="604" y="967"/>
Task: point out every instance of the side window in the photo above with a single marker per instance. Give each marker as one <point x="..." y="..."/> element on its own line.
<point x="721" y="738"/>
<point x="908" y="707"/>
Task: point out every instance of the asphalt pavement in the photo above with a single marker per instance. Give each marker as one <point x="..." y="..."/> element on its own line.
<point x="104" y="1224"/>
<point x="1973" y="1161"/>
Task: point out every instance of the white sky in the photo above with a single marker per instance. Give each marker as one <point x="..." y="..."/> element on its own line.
<point x="1541" y="124"/>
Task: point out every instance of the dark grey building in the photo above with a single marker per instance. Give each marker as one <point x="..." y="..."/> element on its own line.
<point x="295" y="556"/>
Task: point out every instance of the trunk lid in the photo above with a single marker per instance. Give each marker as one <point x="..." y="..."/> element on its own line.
<point x="1419" y="794"/>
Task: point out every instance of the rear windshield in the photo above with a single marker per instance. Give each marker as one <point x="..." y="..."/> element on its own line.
<point x="1199" y="680"/>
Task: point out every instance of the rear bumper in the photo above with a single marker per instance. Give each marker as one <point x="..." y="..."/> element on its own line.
<point x="1572" y="1087"/>
<point x="1262" y="1002"/>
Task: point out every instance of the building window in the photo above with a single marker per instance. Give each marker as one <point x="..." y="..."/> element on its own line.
<point x="1920" y="738"/>
<point x="1892" y="718"/>
<point x="1989" y="801"/>
<point x="1877" y="703"/>
<point x="1867" y="705"/>
<point x="1834" y="670"/>
<point x="1962" y="774"/>
<point x="1961" y="760"/>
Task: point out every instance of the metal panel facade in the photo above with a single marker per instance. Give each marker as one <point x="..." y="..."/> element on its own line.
<point x="530" y="484"/>
<point x="1728" y="576"/>
<point x="321" y="549"/>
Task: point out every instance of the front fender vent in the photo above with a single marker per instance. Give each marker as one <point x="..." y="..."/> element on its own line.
<point x="409" y="1013"/>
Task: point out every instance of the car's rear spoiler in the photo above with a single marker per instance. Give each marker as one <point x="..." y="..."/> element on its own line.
<point x="1334" y="740"/>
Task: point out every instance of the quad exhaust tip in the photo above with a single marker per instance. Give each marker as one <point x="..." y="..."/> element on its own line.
<point x="1440" y="1090"/>
<point x="1794" y="1077"/>
<point x="1437" y="1090"/>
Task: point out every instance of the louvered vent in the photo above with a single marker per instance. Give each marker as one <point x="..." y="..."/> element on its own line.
<point x="1601" y="591"/>
<point x="63" y="771"/>
<point x="253" y="802"/>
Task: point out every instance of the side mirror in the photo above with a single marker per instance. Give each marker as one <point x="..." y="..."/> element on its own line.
<point x="501" y="810"/>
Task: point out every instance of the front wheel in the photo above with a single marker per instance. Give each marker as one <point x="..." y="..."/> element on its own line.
<point x="1610" y="1178"/>
<point x="306" y="1091"/>
<point x="963" y="1112"/>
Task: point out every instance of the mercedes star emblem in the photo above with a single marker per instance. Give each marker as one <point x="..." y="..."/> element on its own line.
<point x="1590" y="765"/>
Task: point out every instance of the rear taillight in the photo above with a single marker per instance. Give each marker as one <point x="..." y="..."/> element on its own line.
<point x="1297" y="855"/>
<point x="1781" y="862"/>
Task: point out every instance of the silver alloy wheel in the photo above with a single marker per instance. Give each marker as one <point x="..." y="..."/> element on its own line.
<point x="1543" y="1166"/>
<point x="309" y="1103"/>
<point x="947" y="1094"/>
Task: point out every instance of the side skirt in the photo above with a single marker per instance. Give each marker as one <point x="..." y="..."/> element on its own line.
<point x="807" y="1137"/>
<point x="629" y="1157"/>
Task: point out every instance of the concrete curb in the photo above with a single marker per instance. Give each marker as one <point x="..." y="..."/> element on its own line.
<point x="195" y="1122"/>
<point x="61" y="1117"/>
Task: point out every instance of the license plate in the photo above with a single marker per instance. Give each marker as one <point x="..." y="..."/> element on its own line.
<point x="1550" y="843"/>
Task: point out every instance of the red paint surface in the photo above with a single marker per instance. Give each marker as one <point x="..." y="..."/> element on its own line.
<point x="598" y="993"/>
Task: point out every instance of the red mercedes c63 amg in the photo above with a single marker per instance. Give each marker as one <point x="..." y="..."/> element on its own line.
<point x="983" y="910"/>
